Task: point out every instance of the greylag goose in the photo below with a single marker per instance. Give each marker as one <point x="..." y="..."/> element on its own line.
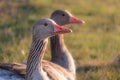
<point x="43" y="29"/>
<point x="59" y="52"/>
<point x="44" y="70"/>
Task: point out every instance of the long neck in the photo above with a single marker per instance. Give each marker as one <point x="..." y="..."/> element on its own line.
<point x="57" y="44"/>
<point x="35" y="57"/>
<point x="60" y="53"/>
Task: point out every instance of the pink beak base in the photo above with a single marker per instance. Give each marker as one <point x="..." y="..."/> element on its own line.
<point x="59" y="29"/>
<point x="75" y="20"/>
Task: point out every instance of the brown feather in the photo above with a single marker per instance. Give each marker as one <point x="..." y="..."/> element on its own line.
<point x="20" y="69"/>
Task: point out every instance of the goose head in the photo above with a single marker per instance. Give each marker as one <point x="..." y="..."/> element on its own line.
<point x="63" y="17"/>
<point x="44" y="28"/>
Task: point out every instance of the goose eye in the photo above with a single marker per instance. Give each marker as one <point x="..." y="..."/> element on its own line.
<point x="45" y="24"/>
<point x="63" y="14"/>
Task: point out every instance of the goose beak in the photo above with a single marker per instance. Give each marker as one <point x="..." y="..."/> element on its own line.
<point x="74" y="19"/>
<point x="59" y="29"/>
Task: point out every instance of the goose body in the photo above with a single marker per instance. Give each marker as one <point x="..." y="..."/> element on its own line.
<point x="19" y="70"/>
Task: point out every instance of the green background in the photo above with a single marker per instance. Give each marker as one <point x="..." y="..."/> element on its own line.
<point x="94" y="45"/>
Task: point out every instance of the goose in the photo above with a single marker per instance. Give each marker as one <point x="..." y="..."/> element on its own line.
<point x="42" y="30"/>
<point x="59" y="52"/>
<point x="37" y="69"/>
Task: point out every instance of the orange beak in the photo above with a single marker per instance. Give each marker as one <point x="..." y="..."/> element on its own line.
<point x="59" y="29"/>
<point x="74" y="19"/>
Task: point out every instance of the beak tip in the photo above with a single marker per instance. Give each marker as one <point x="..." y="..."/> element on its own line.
<point x="70" y="30"/>
<point x="83" y="22"/>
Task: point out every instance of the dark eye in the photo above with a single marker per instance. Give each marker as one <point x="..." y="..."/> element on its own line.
<point x="45" y="24"/>
<point x="63" y="14"/>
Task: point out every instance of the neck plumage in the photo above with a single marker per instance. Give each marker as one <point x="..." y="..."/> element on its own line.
<point x="35" y="57"/>
<point x="60" y="54"/>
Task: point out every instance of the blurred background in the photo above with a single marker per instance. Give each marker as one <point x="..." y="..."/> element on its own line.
<point x="94" y="45"/>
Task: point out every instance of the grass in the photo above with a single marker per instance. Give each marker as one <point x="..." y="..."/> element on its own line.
<point x="94" y="45"/>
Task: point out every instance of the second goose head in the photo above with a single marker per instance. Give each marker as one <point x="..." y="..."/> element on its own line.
<point x="63" y="17"/>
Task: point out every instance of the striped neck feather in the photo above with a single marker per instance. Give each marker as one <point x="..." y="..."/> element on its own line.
<point x="35" y="57"/>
